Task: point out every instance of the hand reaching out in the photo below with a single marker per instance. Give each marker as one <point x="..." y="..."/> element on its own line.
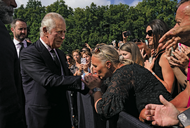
<point x="180" y="59"/>
<point x="162" y="115"/>
<point x="92" y="81"/>
<point x="174" y="36"/>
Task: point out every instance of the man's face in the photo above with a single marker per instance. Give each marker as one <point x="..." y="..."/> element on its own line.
<point x="57" y="34"/>
<point x="20" y="31"/>
<point x="182" y="15"/>
<point x="6" y="10"/>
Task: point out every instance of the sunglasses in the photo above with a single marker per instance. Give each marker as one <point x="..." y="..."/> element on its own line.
<point x="98" y="50"/>
<point x="149" y="33"/>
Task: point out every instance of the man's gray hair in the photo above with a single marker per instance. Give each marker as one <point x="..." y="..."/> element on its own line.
<point x="49" y="22"/>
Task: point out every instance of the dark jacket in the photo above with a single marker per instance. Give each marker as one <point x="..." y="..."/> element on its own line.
<point x="11" y="91"/>
<point x="45" y="88"/>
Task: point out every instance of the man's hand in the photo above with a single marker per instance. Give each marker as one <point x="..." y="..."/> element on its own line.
<point x="174" y="36"/>
<point x="92" y="81"/>
<point x="162" y="115"/>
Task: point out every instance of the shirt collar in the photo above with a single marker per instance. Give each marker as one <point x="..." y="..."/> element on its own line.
<point x="16" y="42"/>
<point x="48" y="48"/>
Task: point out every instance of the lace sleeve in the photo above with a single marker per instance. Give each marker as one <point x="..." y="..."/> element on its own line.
<point x="114" y="98"/>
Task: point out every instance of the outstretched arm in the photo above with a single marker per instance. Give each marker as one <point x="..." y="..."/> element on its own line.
<point x="162" y="115"/>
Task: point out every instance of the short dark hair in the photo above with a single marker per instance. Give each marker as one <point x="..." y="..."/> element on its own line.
<point x="15" y="20"/>
<point x="181" y="2"/>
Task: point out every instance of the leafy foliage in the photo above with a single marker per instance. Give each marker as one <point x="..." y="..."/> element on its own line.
<point x="97" y="24"/>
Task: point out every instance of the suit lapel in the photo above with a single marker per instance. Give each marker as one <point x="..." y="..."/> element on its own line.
<point x="48" y="60"/>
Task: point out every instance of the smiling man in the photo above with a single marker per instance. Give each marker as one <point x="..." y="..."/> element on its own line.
<point x="46" y="77"/>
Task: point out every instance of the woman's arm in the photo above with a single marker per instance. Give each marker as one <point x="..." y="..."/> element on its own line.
<point x="181" y="78"/>
<point x="167" y="72"/>
<point x="181" y="100"/>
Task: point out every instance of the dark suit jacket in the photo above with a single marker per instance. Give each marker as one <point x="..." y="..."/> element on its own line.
<point x="45" y="88"/>
<point x="11" y="91"/>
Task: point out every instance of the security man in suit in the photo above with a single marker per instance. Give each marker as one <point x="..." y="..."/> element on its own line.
<point x="46" y="77"/>
<point x="19" y="29"/>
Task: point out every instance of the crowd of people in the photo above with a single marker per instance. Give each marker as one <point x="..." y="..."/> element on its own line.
<point x="41" y="87"/>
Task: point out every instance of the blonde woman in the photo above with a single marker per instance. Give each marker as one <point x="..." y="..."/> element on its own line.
<point x="129" y="87"/>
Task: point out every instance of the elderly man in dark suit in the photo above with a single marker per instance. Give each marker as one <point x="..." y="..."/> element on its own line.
<point x="11" y="91"/>
<point x="46" y="77"/>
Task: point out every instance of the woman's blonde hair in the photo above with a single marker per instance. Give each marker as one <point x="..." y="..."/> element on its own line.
<point x="106" y="52"/>
<point x="135" y="52"/>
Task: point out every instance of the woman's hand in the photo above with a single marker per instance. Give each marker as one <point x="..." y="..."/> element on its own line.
<point x="124" y="38"/>
<point x="180" y="60"/>
<point x="80" y="67"/>
<point x="92" y="82"/>
<point x="185" y="49"/>
<point x="149" y="65"/>
<point x="152" y="52"/>
<point x="142" y="53"/>
<point x="85" y="67"/>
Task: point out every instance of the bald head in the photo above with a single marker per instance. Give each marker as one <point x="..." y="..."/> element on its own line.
<point x="183" y="14"/>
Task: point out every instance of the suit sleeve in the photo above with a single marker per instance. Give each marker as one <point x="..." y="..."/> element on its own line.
<point x="34" y="66"/>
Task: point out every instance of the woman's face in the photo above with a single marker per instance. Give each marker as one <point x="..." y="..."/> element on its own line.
<point x="87" y="57"/>
<point x="149" y="35"/>
<point x="100" y="68"/>
<point x="76" y="56"/>
<point x="125" y="54"/>
<point x="68" y="59"/>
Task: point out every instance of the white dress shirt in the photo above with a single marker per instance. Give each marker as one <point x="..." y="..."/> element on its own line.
<point x="49" y="49"/>
<point x="18" y="46"/>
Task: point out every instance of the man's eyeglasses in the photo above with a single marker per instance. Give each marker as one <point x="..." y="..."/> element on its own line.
<point x="149" y="33"/>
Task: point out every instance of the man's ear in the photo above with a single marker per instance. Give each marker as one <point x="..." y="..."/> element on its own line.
<point x="108" y="64"/>
<point x="12" y="29"/>
<point x="45" y="31"/>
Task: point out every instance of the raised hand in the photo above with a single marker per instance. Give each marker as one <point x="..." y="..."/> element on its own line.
<point x="180" y="59"/>
<point x="142" y="53"/>
<point x="174" y="36"/>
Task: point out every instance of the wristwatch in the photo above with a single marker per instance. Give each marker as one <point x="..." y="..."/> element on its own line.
<point x="184" y="117"/>
<point x="96" y="90"/>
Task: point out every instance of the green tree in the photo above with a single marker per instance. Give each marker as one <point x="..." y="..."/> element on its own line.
<point x="97" y="24"/>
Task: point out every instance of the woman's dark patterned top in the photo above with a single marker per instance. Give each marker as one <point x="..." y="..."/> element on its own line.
<point x="130" y="88"/>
